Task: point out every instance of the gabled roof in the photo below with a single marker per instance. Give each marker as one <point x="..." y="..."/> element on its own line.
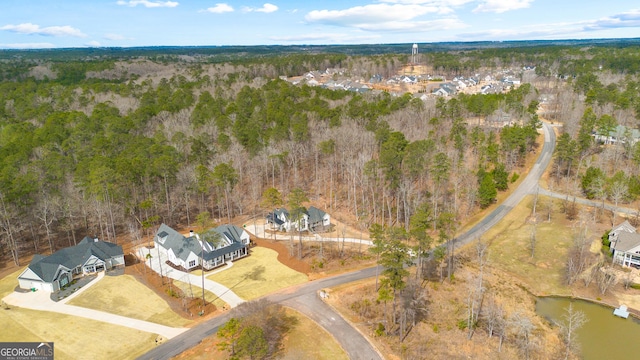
<point x="281" y="211"/>
<point x="274" y="219"/>
<point x="315" y="214"/>
<point x="627" y="241"/>
<point x="624" y="226"/>
<point x="69" y="258"/>
<point x="183" y="246"/>
<point x="231" y="232"/>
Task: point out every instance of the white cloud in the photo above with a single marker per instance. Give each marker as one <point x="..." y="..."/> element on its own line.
<point x="446" y="3"/>
<point x="500" y="6"/>
<point x="114" y="37"/>
<point x="387" y="17"/>
<point x="27" y="46"/>
<point x="266" y="8"/>
<point x="579" y="29"/>
<point x="148" y="3"/>
<point x="375" y="13"/>
<point x="93" y="43"/>
<point x="220" y="8"/>
<point x="627" y="19"/>
<point x="324" y="38"/>
<point x="33" y="29"/>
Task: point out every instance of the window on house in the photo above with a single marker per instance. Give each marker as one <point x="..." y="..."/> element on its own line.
<point x="192" y="263"/>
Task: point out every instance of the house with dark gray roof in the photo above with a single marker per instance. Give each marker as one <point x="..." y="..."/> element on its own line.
<point x="625" y="244"/>
<point x="313" y="219"/>
<point x="209" y="249"/>
<point x="53" y="272"/>
<point x="279" y="219"/>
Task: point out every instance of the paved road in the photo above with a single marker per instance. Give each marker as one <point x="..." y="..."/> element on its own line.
<point x="528" y="186"/>
<point x="588" y="202"/>
<point x="259" y="231"/>
<point x="303" y="298"/>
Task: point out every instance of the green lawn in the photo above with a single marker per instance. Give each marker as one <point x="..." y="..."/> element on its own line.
<point x="510" y="250"/>
<point x="124" y="295"/>
<point x="258" y="274"/>
<point x="74" y="337"/>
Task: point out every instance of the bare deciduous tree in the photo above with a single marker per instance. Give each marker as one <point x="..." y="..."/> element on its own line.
<point x="572" y="321"/>
<point x="605" y="278"/>
<point x="522" y="329"/>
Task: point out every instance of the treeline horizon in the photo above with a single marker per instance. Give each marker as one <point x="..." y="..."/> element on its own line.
<point x="116" y="146"/>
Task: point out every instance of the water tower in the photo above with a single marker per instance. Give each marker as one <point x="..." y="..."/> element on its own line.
<point x="414" y="53"/>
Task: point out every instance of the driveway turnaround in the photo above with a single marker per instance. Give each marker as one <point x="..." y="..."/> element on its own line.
<point x="220" y="290"/>
<point x="259" y="230"/>
<point x="41" y="300"/>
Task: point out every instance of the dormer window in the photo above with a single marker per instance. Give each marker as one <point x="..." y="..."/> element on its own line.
<point x="162" y="237"/>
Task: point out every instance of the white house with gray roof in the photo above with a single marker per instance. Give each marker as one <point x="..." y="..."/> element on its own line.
<point x="625" y="244"/>
<point x="313" y="219"/>
<point x="210" y="249"/>
<point x="53" y="272"/>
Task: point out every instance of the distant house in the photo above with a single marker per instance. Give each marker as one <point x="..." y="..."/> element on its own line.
<point x="210" y="249"/>
<point x="317" y="219"/>
<point x="279" y="219"/>
<point x="620" y="134"/>
<point x="313" y="219"/>
<point x="625" y="244"/>
<point x="53" y="272"/>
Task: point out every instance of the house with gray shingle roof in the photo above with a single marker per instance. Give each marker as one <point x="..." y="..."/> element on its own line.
<point x="210" y="249"/>
<point x="313" y="219"/>
<point x="53" y="272"/>
<point x="625" y="244"/>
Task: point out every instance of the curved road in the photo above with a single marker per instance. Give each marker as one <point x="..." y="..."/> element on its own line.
<point x="528" y="186"/>
<point x="304" y="297"/>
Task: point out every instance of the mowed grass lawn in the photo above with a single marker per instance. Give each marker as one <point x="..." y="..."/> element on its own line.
<point x="509" y="248"/>
<point x="258" y="274"/>
<point x="124" y="295"/>
<point x="308" y="340"/>
<point x="74" y="337"/>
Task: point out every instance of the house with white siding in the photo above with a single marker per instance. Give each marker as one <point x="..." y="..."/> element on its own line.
<point x="210" y="249"/>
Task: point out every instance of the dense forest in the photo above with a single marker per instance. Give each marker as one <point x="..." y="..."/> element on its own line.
<point x="115" y="143"/>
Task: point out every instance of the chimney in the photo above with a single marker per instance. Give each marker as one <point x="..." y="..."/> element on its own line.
<point x="95" y="239"/>
<point x="191" y="233"/>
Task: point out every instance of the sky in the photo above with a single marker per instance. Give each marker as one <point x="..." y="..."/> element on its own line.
<point x="28" y="24"/>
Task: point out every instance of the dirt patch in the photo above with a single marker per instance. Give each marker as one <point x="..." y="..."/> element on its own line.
<point x="283" y="255"/>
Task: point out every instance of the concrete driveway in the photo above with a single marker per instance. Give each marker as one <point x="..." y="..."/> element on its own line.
<point x="41" y="300"/>
<point x="259" y="230"/>
<point x="220" y="290"/>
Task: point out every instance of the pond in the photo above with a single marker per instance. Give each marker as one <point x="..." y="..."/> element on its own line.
<point x="604" y="336"/>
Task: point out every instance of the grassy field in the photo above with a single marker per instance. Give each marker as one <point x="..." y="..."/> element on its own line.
<point x="124" y="295"/>
<point x="510" y="248"/>
<point x="258" y="274"/>
<point x="74" y="337"/>
<point x="308" y="340"/>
